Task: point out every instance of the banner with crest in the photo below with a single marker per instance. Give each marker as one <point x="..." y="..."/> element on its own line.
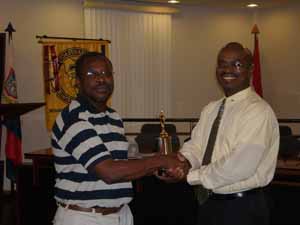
<point x="59" y="59"/>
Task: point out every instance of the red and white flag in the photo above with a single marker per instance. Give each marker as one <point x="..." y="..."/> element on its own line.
<point x="256" y="78"/>
<point x="13" y="145"/>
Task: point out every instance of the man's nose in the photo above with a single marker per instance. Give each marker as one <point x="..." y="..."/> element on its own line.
<point x="99" y="78"/>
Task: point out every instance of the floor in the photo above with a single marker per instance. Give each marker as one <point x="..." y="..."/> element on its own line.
<point x="283" y="203"/>
<point x="7" y="209"/>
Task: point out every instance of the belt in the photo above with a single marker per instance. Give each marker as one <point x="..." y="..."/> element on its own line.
<point x="96" y="209"/>
<point x="216" y="196"/>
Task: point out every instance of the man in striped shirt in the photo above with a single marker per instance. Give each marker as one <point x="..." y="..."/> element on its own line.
<point x="93" y="173"/>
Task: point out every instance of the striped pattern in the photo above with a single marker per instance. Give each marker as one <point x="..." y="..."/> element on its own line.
<point x="82" y="138"/>
<point x="143" y="64"/>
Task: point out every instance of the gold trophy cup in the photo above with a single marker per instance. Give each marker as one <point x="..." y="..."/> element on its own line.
<point x="164" y="140"/>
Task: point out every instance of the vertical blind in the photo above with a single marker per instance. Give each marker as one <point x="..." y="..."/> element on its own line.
<point x="141" y="55"/>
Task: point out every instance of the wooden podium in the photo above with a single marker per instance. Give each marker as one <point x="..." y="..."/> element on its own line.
<point x="18" y="109"/>
<point x="10" y="111"/>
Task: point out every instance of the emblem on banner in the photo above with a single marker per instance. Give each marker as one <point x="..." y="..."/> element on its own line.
<point x="63" y="84"/>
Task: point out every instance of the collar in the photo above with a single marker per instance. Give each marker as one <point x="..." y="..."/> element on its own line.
<point x="85" y="103"/>
<point x="239" y="95"/>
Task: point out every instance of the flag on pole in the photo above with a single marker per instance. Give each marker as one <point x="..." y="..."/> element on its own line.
<point x="256" y="78"/>
<point x="2" y="68"/>
<point x="13" y="145"/>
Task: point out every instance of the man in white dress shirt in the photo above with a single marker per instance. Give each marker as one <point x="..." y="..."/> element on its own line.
<point x="245" y="150"/>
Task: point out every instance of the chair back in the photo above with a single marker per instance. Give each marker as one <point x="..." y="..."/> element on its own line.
<point x="285" y="130"/>
<point x="289" y="145"/>
<point x="147" y="140"/>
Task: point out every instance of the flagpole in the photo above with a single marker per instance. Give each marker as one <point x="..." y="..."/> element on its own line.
<point x="12" y="125"/>
<point x="70" y="38"/>
<point x="2" y="72"/>
<point x="256" y="78"/>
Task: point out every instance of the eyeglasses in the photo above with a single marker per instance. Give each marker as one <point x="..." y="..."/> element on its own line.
<point x="95" y="74"/>
<point x="237" y="65"/>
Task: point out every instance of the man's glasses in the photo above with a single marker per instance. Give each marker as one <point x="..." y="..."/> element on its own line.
<point x="236" y="65"/>
<point x="95" y="74"/>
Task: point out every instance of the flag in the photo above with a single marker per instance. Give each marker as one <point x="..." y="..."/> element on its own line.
<point x="256" y="78"/>
<point x="2" y="66"/>
<point x="13" y="145"/>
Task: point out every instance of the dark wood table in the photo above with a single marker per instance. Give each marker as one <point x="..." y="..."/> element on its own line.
<point x="40" y="159"/>
<point x="287" y="170"/>
<point x="35" y="189"/>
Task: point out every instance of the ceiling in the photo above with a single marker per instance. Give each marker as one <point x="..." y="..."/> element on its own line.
<point x="224" y="3"/>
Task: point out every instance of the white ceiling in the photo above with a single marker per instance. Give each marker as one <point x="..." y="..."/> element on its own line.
<point x="226" y="3"/>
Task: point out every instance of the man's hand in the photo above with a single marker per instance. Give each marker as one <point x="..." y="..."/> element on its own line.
<point x="177" y="172"/>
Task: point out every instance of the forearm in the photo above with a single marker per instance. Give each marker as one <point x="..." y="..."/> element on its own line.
<point x="134" y="169"/>
<point x="122" y="171"/>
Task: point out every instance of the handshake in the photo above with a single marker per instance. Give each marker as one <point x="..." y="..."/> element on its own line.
<point x="175" y="168"/>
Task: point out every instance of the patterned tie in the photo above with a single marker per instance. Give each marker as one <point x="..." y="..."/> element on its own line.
<point x="201" y="193"/>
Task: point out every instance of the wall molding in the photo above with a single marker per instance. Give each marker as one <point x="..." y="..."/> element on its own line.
<point x="137" y="7"/>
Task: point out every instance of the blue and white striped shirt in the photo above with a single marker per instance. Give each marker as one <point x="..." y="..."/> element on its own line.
<point x="82" y="138"/>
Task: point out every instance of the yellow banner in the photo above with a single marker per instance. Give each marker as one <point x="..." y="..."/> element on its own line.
<point x="59" y="59"/>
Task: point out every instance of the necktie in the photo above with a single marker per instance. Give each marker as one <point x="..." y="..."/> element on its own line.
<point x="201" y="193"/>
<point x="213" y="135"/>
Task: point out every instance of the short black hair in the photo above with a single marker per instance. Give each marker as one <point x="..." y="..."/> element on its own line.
<point x="87" y="56"/>
<point x="239" y="47"/>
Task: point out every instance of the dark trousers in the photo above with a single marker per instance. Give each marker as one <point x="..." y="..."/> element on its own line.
<point x="249" y="210"/>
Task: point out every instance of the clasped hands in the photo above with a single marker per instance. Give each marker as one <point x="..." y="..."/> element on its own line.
<point x="177" y="168"/>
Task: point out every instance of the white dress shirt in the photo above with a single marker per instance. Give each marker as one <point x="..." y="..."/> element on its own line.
<point x="246" y="147"/>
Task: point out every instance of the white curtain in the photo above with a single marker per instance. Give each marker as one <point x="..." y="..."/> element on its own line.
<point x="141" y="55"/>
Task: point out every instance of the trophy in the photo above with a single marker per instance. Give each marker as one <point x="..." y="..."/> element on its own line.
<point x="164" y="140"/>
